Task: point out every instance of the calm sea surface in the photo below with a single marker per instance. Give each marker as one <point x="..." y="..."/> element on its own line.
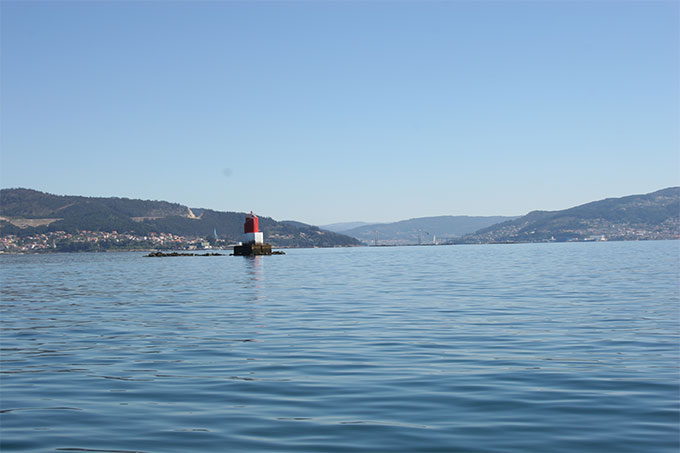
<point x="521" y="348"/>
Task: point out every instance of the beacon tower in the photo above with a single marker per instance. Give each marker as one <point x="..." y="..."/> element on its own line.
<point x="253" y="239"/>
<point x="251" y="230"/>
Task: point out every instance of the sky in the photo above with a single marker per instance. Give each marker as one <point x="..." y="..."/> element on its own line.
<point x="335" y="111"/>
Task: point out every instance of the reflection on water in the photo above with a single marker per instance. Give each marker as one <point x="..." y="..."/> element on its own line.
<point x="254" y="266"/>
<point x="253" y="276"/>
<point x="547" y="347"/>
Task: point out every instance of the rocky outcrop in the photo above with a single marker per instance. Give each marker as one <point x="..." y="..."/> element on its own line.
<point x="163" y="255"/>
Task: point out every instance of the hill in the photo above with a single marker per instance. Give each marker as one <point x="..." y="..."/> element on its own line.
<point x="422" y="230"/>
<point x="649" y="216"/>
<point x="26" y="212"/>
<point x="343" y="226"/>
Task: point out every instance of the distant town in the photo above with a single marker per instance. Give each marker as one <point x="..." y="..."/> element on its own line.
<point x="589" y="230"/>
<point x="38" y="222"/>
<point x="95" y="241"/>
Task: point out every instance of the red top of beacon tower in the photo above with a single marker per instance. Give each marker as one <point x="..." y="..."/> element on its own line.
<point x="252" y="224"/>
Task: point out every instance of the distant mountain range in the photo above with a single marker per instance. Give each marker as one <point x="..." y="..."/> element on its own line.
<point x="343" y="226"/>
<point x="636" y="217"/>
<point x="26" y="212"/>
<point x="417" y="231"/>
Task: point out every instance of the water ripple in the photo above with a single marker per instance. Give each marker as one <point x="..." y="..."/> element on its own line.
<point x="527" y="348"/>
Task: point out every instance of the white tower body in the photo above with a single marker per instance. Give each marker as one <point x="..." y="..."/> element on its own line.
<point x="254" y="238"/>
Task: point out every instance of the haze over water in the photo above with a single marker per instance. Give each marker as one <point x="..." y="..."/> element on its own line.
<point x="527" y="348"/>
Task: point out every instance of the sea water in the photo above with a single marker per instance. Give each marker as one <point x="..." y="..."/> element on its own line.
<point x="490" y="348"/>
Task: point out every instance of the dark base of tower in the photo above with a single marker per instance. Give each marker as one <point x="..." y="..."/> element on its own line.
<point x="254" y="250"/>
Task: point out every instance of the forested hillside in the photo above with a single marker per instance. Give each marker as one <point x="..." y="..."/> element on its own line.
<point x="26" y="212"/>
<point x="649" y="216"/>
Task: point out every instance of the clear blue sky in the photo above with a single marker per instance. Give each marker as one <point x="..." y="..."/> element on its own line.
<point x="338" y="111"/>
